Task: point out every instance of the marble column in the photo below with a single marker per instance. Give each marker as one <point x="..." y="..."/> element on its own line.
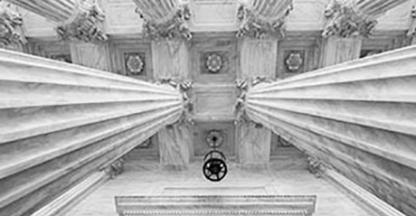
<point x="261" y="26"/>
<point x="76" y="19"/>
<point x="357" y="117"/>
<point x="165" y="25"/>
<point x="347" y="23"/>
<point x="62" y="122"/>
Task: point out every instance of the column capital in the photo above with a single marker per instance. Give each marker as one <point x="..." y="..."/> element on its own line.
<point x="355" y="18"/>
<point x="11" y="22"/>
<point x="262" y="19"/>
<point x="86" y="24"/>
<point x="343" y="21"/>
<point x="77" y="19"/>
<point x="164" y="20"/>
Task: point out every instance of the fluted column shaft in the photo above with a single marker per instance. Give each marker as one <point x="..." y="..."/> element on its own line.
<point x="157" y="11"/>
<point x="357" y="117"/>
<point x="58" y="11"/>
<point x="77" y="19"/>
<point x="374" y="8"/>
<point x="62" y="122"/>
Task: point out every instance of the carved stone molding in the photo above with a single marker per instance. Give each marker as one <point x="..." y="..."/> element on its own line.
<point x="297" y="205"/>
<point x="10" y="26"/>
<point x="116" y="168"/>
<point x="354" y="18"/>
<point x="412" y="27"/>
<point x="85" y="24"/>
<point x="256" y="22"/>
<point x="168" y="27"/>
<point x="315" y="166"/>
<point x="343" y="21"/>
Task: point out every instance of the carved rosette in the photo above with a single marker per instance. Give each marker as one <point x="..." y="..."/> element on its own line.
<point x="343" y="21"/>
<point x="175" y="27"/>
<point x="256" y="26"/>
<point x="135" y="64"/>
<point x="214" y="63"/>
<point x="86" y="24"/>
<point x="10" y="26"/>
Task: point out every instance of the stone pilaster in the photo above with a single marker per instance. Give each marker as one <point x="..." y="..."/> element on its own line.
<point x="165" y="24"/>
<point x="261" y="26"/>
<point x="174" y="144"/>
<point x="76" y="19"/>
<point x="336" y="50"/>
<point x="94" y="55"/>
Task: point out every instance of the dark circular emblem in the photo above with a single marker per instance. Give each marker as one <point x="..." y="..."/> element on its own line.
<point x="214" y="63"/>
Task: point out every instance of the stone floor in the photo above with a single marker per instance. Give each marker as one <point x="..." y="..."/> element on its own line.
<point x="286" y="176"/>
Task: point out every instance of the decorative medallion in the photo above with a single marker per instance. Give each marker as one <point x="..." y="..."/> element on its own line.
<point x="134" y="63"/>
<point x="294" y="61"/>
<point x="214" y="63"/>
<point x="215" y="138"/>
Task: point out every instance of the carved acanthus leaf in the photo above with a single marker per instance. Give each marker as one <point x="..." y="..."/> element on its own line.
<point x="412" y="28"/>
<point x="86" y="24"/>
<point x="10" y="26"/>
<point x="253" y="26"/>
<point x="343" y="21"/>
<point x="175" y="27"/>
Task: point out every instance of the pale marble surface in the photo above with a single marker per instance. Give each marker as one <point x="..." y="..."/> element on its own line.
<point x="357" y="117"/>
<point x="284" y="177"/>
<point x="61" y="122"/>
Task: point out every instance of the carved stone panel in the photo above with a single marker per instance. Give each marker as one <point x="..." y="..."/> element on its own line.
<point x="57" y="50"/>
<point x="297" y="54"/>
<point x="213" y="102"/>
<point x="132" y="58"/>
<point x="202" y="132"/>
<point x="121" y="17"/>
<point x="214" y="59"/>
<point x="213" y="15"/>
